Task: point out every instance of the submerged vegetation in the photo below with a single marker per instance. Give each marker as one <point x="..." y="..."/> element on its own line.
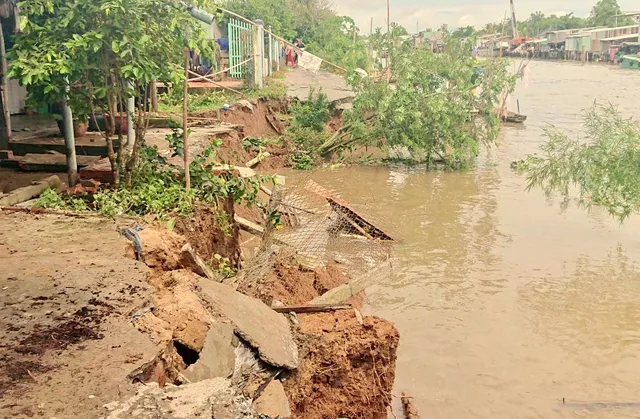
<point x="600" y="168"/>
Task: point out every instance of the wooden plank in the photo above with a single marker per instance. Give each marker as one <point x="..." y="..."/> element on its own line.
<point x="249" y="226"/>
<point x="319" y="308"/>
<point x="258" y="159"/>
<point x="351" y="288"/>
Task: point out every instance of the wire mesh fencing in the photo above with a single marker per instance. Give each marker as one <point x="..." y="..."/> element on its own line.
<point x="311" y="226"/>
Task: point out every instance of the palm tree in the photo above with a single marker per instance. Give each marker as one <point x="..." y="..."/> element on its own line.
<point x="8" y="21"/>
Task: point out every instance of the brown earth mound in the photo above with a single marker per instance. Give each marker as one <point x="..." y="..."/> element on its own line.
<point x="292" y="286"/>
<point x="347" y="368"/>
<point x="211" y="232"/>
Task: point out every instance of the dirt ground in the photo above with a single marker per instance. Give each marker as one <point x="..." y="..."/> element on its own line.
<point x="68" y="296"/>
<point x="347" y="367"/>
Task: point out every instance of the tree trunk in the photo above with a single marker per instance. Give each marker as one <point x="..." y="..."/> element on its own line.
<point x="5" y="117"/>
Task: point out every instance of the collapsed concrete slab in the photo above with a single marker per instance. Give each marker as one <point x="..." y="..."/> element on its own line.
<point x="217" y="358"/>
<point x="206" y="399"/>
<point x="273" y="402"/>
<point x="255" y="322"/>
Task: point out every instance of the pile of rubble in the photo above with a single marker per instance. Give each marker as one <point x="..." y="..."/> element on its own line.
<point x="225" y="352"/>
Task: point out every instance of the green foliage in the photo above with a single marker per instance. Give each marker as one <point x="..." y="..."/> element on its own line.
<point x="337" y="40"/>
<point x="275" y="13"/>
<point x="428" y="108"/>
<point x="108" y="50"/>
<point x="603" y="166"/>
<point x="50" y="199"/>
<point x="308" y="129"/>
<point x="158" y="188"/>
<point x="313" y="114"/>
<point x="604" y="14"/>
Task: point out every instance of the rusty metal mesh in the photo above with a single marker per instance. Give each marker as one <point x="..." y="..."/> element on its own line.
<point x="317" y="228"/>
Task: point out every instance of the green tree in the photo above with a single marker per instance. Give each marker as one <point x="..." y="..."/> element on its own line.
<point x="599" y="169"/>
<point x="337" y="40"/>
<point x="108" y="50"/>
<point x="276" y="14"/>
<point x="429" y="107"/>
<point x="604" y="14"/>
<point x="398" y="30"/>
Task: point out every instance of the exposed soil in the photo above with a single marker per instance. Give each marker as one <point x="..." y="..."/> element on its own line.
<point x="347" y="369"/>
<point x="292" y="286"/>
<point x="211" y="233"/>
<point x="232" y="151"/>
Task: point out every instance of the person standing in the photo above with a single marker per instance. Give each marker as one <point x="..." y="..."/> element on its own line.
<point x="299" y="47"/>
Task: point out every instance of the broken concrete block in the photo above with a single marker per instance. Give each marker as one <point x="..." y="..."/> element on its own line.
<point x="255" y="322"/>
<point x="190" y="401"/>
<point x="273" y="402"/>
<point x="190" y="260"/>
<point x="217" y="358"/>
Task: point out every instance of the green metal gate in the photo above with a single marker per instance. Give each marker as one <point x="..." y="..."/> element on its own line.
<point x="240" y="47"/>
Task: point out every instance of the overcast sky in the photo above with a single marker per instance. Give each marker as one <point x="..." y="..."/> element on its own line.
<point x="432" y="13"/>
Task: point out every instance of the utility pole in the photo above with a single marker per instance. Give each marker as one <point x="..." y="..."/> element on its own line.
<point x="514" y="22"/>
<point x="388" y="19"/>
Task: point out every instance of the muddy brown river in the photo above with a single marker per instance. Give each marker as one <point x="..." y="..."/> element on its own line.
<point x="505" y="303"/>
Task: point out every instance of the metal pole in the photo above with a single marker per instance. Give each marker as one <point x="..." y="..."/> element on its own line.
<point x="131" y="108"/>
<point x="69" y="136"/>
<point x="258" y="49"/>
<point x="185" y="106"/>
<point x="270" y="68"/>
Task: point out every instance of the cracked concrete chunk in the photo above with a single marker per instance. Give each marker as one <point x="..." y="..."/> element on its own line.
<point x="273" y="402"/>
<point x="217" y="358"/>
<point x="190" y="260"/>
<point x="256" y="323"/>
<point x="191" y="401"/>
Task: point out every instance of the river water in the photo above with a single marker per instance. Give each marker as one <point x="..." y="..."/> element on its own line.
<point x="505" y="303"/>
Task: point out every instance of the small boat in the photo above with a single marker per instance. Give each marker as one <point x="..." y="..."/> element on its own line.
<point x="630" y="62"/>
<point x="514" y="118"/>
<point x="627" y="55"/>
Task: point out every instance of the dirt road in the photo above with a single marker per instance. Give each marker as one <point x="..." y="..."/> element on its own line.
<point x="68" y="293"/>
<point x="300" y="82"/>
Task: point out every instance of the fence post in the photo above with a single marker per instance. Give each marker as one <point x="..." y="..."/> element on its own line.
<point x="270" y="67"/>
<point x="258" y="54"/>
